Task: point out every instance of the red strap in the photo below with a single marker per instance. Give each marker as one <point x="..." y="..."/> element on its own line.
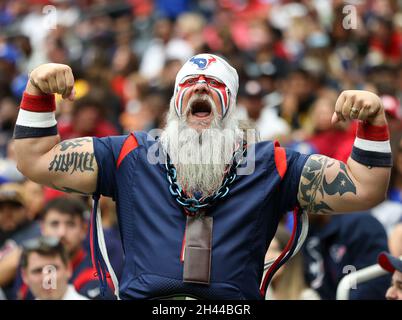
<point x="283" y="253"/>
<point x="280" y="159"/>
<point x="129" y="145"/>
<point x="43" y="103"/>
<point x="374" y="133"/>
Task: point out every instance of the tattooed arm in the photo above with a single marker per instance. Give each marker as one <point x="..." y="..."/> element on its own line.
<point x="329" y="186"/>
<point x="68" y="166"/>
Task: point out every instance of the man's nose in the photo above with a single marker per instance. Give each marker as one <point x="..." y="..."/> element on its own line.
<point x="61" y="231"/>
<point x="201" y="86"/>
<point x="391" y="294"/>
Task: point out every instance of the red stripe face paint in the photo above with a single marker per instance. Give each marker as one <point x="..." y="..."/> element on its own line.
<point x="215" y="85"/>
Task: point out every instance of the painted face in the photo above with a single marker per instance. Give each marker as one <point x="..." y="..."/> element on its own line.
<point x="202" y="85"/>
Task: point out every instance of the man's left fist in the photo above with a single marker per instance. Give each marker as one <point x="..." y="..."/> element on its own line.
<point x="361" y="105"/>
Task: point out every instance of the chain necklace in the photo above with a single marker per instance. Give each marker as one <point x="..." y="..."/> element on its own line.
<point x="192" y="205"/>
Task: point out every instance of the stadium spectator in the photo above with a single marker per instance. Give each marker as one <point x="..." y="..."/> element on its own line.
<point x="63" y="218"/>
<point x="15" y="228"/>
<point x="344" y="241"/>
<point x="88" y="119"/>
<point x="393" y="265"/>
<point x="46" y="270"/>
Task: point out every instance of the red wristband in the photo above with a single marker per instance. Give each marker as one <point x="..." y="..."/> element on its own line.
<point x="374" y="133"/>
<point x="43" y="103"/>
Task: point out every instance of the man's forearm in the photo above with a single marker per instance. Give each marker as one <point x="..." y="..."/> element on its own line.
<point x="372" y="181"/>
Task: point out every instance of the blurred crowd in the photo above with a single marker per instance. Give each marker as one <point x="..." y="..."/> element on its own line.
<point x="293" y="59"/>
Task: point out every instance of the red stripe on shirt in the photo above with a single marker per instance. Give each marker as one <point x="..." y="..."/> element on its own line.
<point x="280" y="159"/>
<point x="129" y="145"/>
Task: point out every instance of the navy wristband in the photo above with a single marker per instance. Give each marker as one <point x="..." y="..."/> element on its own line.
<point x="22" y="132"/>
<point x="372" y="158"/>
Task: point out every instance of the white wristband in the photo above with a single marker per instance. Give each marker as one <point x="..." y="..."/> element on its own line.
<point x="36" y="119"/>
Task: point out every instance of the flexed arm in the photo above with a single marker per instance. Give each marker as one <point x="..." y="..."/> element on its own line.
<point x="69" y="165"/>
<point x="328" y="185"/>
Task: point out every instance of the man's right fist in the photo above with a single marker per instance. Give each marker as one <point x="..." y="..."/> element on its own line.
<point x="51" y="78"/>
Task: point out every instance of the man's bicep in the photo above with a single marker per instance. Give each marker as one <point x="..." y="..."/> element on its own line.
<point x="71" y="166"/>
<point x="327" y="186"/>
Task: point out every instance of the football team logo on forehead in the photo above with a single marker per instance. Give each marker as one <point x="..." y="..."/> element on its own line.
<point x="202" y="63"/>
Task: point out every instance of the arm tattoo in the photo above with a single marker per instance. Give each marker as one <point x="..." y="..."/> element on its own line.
<point x="64" y="145"/>
<point x="342" y="183"/>
<point x="314" y="182"/>
<point x="74" y="161"/>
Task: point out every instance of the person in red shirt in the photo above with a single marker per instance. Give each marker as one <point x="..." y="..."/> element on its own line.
<point x="88" y="119"/>
<point x="332" y="141"/>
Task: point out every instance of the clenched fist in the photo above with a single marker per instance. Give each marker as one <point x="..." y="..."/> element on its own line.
<point x="52" y="78"/>
<point x="361" y="105"/>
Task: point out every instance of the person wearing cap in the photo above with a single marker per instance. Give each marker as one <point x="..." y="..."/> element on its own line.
<point x="64" y="218"/>
<point x="394" y="266"/>
<point x="197" y="203"/>
<point x="15" y="228"/>
<point x="46" y="270"/>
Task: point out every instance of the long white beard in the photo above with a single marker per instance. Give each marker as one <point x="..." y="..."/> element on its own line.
<point x="200" y="158"/>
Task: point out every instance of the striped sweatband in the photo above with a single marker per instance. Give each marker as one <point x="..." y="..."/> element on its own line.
<point x="36" y="117"/>
<point x="372" y="147"/>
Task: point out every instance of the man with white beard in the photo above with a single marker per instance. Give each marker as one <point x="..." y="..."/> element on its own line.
<point x="198" y="206"/>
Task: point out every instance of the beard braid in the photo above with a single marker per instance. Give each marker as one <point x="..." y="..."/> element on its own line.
<point x="200" y="158"/>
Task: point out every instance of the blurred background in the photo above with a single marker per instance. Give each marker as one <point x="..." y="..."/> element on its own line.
<point x="293" y="59"/>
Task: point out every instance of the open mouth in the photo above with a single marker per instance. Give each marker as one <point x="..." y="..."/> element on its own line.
<point x="201" y="108"/>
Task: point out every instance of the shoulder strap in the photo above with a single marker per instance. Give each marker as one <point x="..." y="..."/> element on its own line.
<point x="280" y="159"/>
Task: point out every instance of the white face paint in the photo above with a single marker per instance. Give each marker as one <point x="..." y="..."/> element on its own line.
<point x="200" y="157"/>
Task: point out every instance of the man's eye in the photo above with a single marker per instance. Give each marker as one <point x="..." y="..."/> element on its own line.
<point x="214" y="83"/>
<point x="190" y="81"/>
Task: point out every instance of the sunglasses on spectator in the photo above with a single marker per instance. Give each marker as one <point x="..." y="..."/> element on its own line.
<point x="40" y="242"/>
